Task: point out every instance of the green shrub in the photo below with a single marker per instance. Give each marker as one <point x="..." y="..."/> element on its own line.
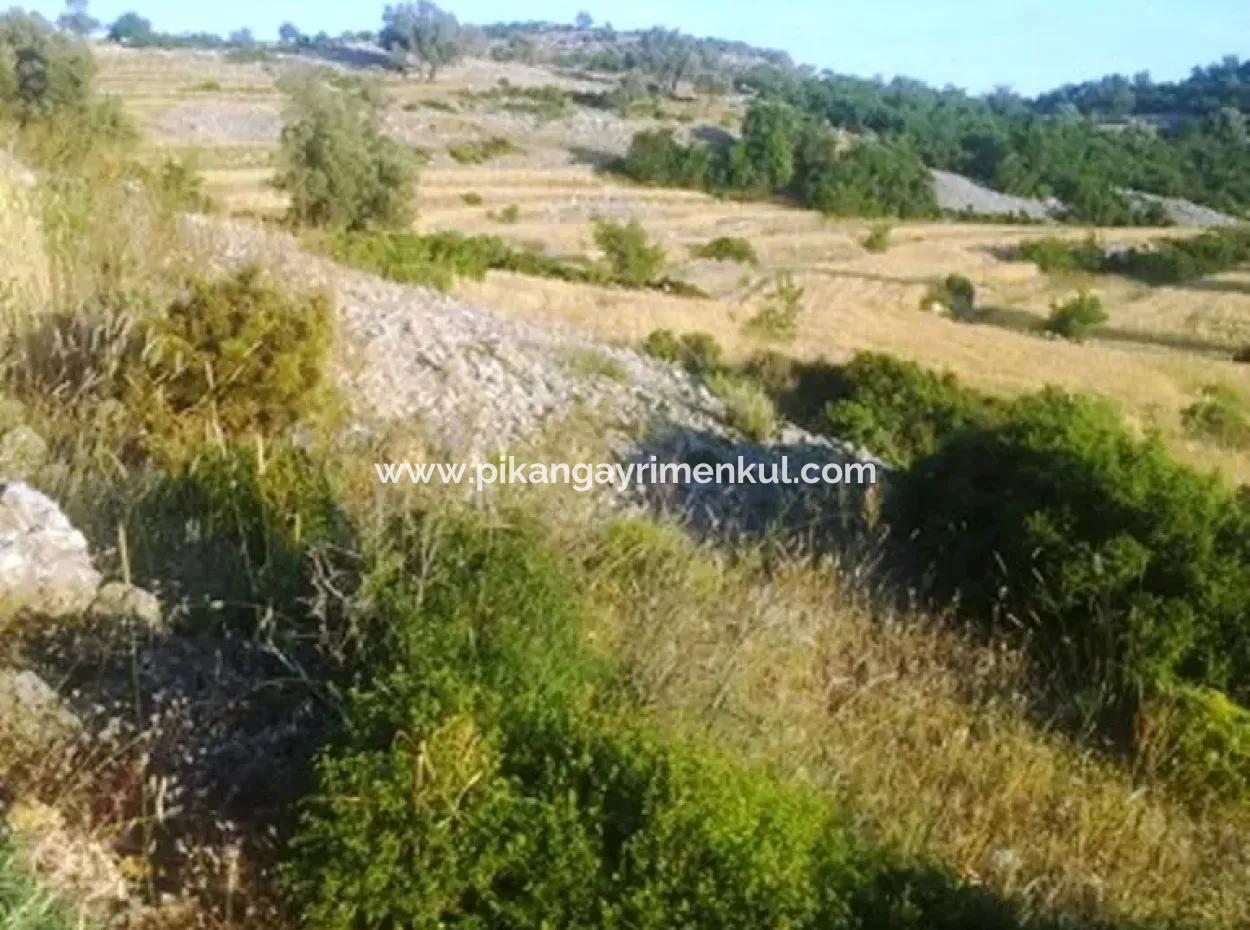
<point x="955" y="294"/>
<point x="748" y="408"/>
<point x="800" y="389"/>
<point x="727" y="249"/>
<point x="1122" y="569"/>
<point x="181" y="186"/>
<point x="481" y="151"/>
<point x="490" y="774"/>
<point x="1073" y="319"/>
<point x="1198" y="740"/>
<point x="900" y="411"/>
<point x="43" y="72"/>
<point x="508" y="215"/>
<point x="238" y="353"/>
<point x="1168" y="261"/>
<point x="655" y="156"/>
<point x="778" y="319"/>
<point x="1051" y="253"/>
<point x="472" y="198"/>
<point x="1219" y="416"/>
<point x="878" y="238"/>
<point x="439" y="259"/>
<point x="337" y="166"/>
<point x="1175" y="261"/>
<point x="633" y="259"/>
<point x="884" y="178"/>
<point x="699" y="353"/>
<point x="591" y="363"/>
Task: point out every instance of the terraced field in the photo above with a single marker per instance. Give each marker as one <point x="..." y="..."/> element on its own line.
<point x="1160" y="347"/>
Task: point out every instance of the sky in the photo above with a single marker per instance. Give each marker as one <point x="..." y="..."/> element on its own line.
<point x="1030" y="45"/>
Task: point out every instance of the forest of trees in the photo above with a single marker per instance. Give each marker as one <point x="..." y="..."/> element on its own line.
<point x="783" y="152"/>
<point x="1009" y="145"/>
<point x="1225" y="84"/>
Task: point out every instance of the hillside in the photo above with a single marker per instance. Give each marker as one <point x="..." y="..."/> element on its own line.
<point x="248" y="682"/>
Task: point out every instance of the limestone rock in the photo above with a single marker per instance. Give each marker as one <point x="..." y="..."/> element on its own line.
<point x="31" y="712"/>
<point x="45" y="568"/>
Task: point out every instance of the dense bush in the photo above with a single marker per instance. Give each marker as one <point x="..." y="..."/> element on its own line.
<point x="781" y="153"/>
<point x="1050" y="253"/>
<point x="1015" y="148"/>
<point x="440" y="259"/>
<point x="878" y="238"/>
<point x="1124" y="570"/>
<point x="955" y="295"/>
<point x="238" y="353"/>
<point x="1175" y="261"/>
<point x="1074" y="318"/>
<point x="634" y="260"/>
<point x="481" y="151"/>
<point x="1219" y="416"/>
<point x="491" y="779"/>
<point x="1197" y="739"/>
<point x="42" y="71"/>
<point x="748" y="408"/>
<point x="1169" y="261"/>
<point x="727" y="249"/>
<point x="801" y="389"/>
<point x="884" y="178"/>
<point x="699" y="353"/>
<point x="900" y="411"/>
<point x="337" y="166"/>
<point x="778" y="319"/>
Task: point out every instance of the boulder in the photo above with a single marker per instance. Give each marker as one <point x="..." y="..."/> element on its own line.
<point x="31" y="713"/>
<point x="45" y="568"/>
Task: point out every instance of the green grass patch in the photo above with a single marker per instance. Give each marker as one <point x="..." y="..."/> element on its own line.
<point x="481" y="151"/>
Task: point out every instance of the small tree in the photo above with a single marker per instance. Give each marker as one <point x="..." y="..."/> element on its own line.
<point x="131" y="29"/>
<point x="1073" y="319"/>
<point x="770" y="133"/>
<point x="289" y="34"/>
<point x="423" y="30"/>
<point x="669" y="55"/>
<point x="76" y="19"/>
<point x="584" y="21"/>
<point x="338" y="167"/>
<point x="634" y="260"/>
<point x="242" y="38"/>
<point x="778" y="319"/>
<point x="41" y="71"/>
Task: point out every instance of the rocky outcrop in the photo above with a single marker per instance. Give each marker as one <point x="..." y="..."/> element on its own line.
<point x="958" y="194"/>
<point x="45" y="567"/>
<point x="31" y="712"/>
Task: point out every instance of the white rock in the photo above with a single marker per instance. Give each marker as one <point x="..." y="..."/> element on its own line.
<point x="45" y="567"/>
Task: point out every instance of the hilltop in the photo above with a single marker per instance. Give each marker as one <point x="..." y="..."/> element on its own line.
<point x="244" y="683"/>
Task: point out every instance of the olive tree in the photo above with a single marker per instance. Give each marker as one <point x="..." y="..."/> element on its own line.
<point x="424" y="31"/>
<point x="76" y="19"/>
<point x="335" y="163"/>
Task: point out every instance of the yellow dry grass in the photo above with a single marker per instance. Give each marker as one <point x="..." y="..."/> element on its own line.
<point x="1159" y="348"/>
<point x="27" y="281"/>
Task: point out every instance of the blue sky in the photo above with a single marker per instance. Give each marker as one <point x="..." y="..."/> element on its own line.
<point x="1031" y="45"/>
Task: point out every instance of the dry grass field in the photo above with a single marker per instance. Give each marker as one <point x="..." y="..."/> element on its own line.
<point x="1160" y="348"/>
